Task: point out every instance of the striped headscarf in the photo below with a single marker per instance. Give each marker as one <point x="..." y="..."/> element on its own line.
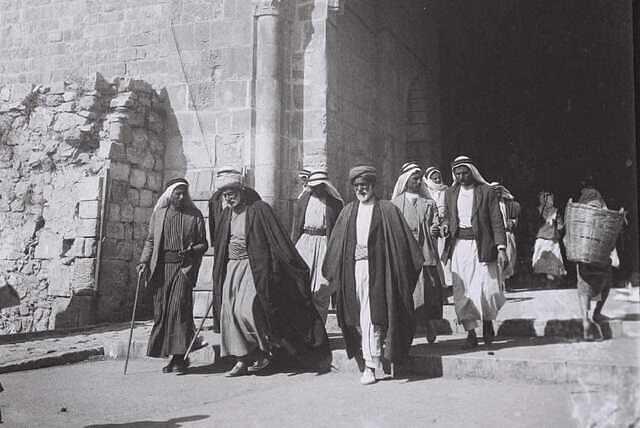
<point x="407" y="170"/>
<point x="466" y="161"/>
<point x="321" y="177"/>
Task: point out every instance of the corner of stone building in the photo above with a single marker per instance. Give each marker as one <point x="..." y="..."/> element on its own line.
<point x="63" y="148"/>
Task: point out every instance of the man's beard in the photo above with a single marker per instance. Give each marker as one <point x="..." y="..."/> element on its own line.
<point x="364" y="196"/>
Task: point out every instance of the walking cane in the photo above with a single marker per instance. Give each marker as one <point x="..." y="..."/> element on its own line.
<point x="195" y="337"/>
<point x="133" y="319"/>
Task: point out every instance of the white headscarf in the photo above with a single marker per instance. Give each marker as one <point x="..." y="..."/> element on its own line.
<point x="432" y="185"/>
<point x="466" y="161"/>
<point x="320" y="176"/>
<point x="407" y="170"/>
<point x="165" y="199"/>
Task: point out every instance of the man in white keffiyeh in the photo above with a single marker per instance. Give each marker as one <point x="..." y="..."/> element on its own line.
<point x="420" y="212"/>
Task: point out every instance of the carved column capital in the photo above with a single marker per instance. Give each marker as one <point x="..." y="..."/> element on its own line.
<point x="267" y="7"/>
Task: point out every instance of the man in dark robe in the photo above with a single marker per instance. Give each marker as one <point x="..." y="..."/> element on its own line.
<point x="374" y="263"/>
<point x="314" y="215"/>
<point x="261" y="285"/>
<point x="171" y="258"/>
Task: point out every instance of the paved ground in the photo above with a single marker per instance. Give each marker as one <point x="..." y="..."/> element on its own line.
<point x="96" y="394"/>
<point x="545" y="305"/>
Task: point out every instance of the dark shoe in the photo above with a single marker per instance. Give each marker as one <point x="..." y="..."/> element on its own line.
<point x="488" y="334"/>
<point x="182" y="366"/>
<point x="472" y="340"/>
<point x="431" y="332"/>
<point x="259" y="364"/>
<point x="169" y="367"/>
<point x="198" y="344"/>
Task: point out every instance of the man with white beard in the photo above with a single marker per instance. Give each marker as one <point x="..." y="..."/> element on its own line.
<point x="373" y="262"/>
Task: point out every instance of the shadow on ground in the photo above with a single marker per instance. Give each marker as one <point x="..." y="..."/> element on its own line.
<point x="171" y="423"/>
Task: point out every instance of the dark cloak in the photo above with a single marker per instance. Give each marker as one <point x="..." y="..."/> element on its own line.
<point x="395" y="262"/>
<point x="334" y="206"/>
<point x="282" y="282"/>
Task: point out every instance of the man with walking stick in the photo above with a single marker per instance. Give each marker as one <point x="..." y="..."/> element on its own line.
<point x="171" y="259"/>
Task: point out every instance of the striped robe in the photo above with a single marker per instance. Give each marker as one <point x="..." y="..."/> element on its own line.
<point x="172" y="281"/>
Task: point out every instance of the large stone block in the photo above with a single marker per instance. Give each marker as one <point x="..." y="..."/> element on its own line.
<point x="146" y="198"/>
<point x="88" y="189"/>
<point x="120" y="171"/>
<point x="68" y="121"/>
<point x="49" y="245"/>
<point x="154" y="181"/>
<point x="59" y="277"/>
<point x="117" y="249"/>
<point x="138" y="178"/>
<point x="84" y="270"/>
<point x="114" y="230"/>
<point x="126" y="212"/>
<point x="119" y="190"/>
<point x="113" y="289"/>
<point x="142" y="215"/>
<point x="90" y="247"/>
<point x="133" y="196"/>
<point x="86" y="228"/>
<point x="89" y="209"/>
<point x="140" y="231"/>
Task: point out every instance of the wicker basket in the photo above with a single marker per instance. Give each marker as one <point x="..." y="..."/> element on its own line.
<point x="591" y="233"/>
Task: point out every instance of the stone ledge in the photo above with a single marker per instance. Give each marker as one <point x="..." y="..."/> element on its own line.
<point x="53" y="359"/>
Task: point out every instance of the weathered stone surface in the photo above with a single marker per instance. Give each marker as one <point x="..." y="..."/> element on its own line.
<point x="49" y="245"/>
<point x="117" y="249"/>
<point x="89" y="209"/>
<point x="53" y="146"/>
<point x="126" y="212"/>
<point x="138" y="178"/>
<point x="154" y="181"/>
<point x="142" y="215"/>
<point x="87" y="227"/>
<point x="146" y="198"/>
<point x="89" y="189"/>
<point x="114" y="230"/>
<point x="84" y="273"/>
<point x="120" y="171"/>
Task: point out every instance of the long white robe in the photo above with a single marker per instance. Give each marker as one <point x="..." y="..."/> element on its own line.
<point x="371" y="335"/>
<point x="313" y="248"/>
<point x="477" y="294"/>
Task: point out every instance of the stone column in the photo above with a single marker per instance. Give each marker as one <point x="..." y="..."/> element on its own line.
<point x="268" y="98"/>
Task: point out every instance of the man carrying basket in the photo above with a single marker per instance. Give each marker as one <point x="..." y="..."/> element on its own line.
<point x="594" y="280"/>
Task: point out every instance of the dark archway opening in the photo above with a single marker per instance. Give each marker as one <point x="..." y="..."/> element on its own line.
<point x="542" y="94"/>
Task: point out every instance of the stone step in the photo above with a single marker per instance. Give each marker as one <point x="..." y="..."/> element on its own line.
<point x="540" y="360"/>
<point x="521" y="327"/>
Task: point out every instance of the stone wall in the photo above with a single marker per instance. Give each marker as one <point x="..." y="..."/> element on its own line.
<point x="199" y="51"/>
<point x="133" y="139"/>
<point x="61" y="147"/>
<point x="383" y="57"/>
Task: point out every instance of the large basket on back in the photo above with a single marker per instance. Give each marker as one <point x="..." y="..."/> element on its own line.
<point x="591" y="233"/>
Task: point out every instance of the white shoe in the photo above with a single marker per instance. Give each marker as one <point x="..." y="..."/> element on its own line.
<point x="368" y="376"/>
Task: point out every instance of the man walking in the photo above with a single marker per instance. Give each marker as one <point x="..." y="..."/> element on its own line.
<point x="261" y="285"/>
<point x="374" y="262"/>
<point x="477" y="248"/>
<point x="420" y="212"/>
<point x="171" y="257"/>
<point x="313" y="219"/>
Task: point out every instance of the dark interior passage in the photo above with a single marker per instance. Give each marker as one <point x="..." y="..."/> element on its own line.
<point x="541" y="94"/>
